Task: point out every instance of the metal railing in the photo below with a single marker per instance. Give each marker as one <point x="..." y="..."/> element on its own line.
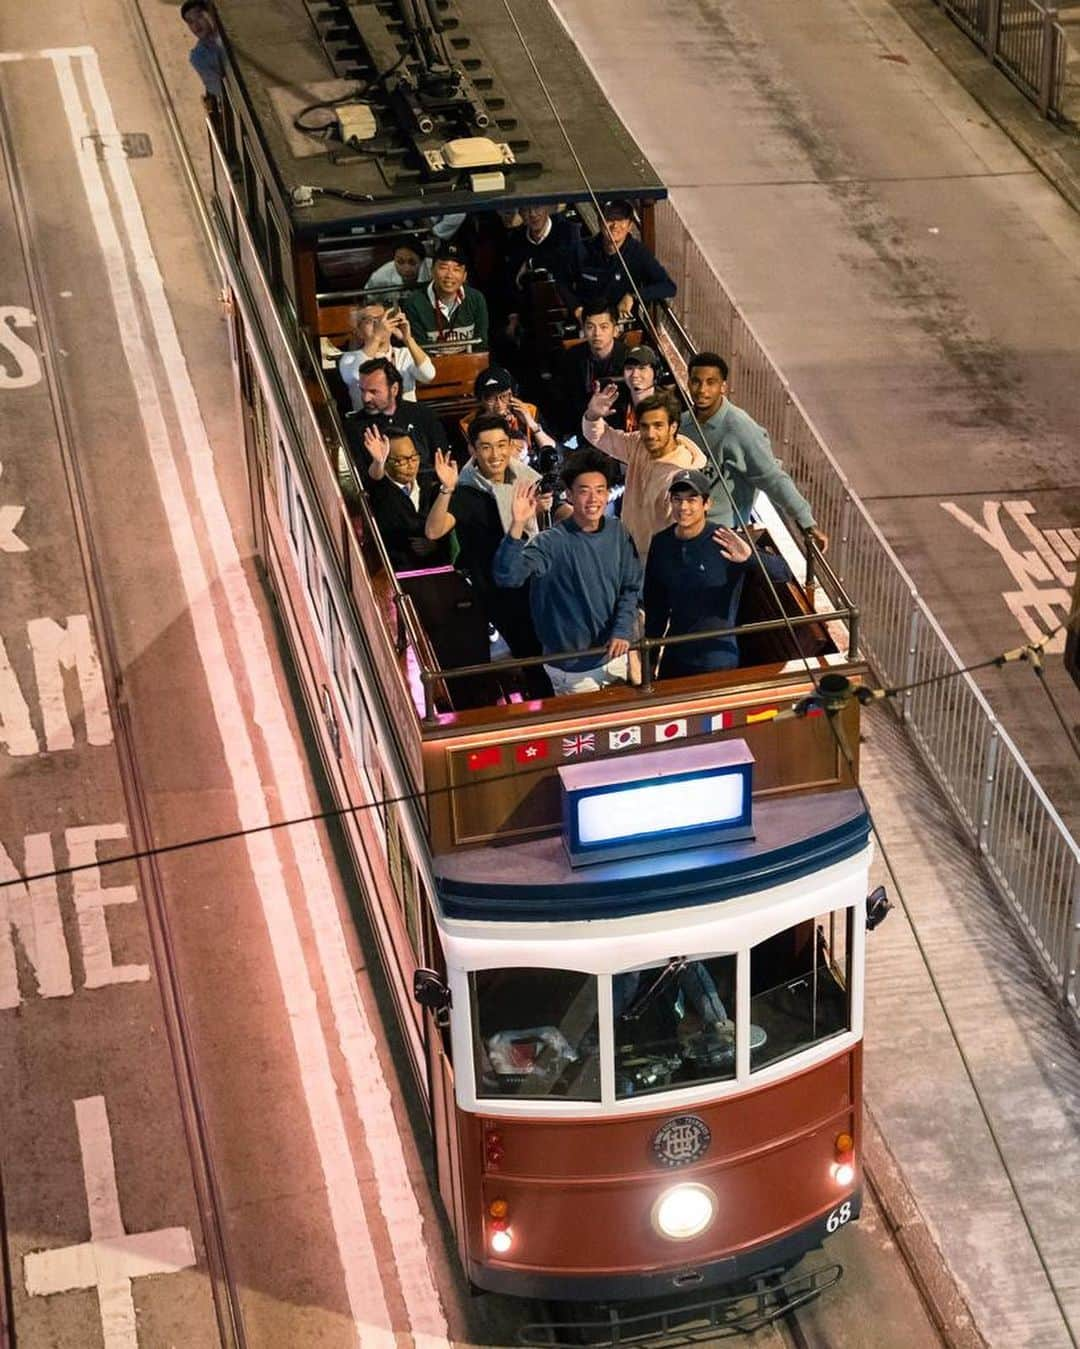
<point x="1031" y="856"/>
<point x="1024" y="38"/>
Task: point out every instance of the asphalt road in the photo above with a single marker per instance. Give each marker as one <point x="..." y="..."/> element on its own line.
<point x="914" y="277"/>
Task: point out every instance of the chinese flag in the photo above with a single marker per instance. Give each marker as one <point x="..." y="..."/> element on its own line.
<point x="488" y="757"/>
<point x="530" y="751"/>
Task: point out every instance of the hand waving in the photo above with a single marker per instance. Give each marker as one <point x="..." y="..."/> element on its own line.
<point x="377" y="445"/>
<point x="732" y="546"/>
<point x="446" y="470"/>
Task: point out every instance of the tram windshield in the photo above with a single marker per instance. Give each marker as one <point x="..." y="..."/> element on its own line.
<point x="800" y="982"/>
<point x="535" y="1033"/>
<point x="674" y="1025"/>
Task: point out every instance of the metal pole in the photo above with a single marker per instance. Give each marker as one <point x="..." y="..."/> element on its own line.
<point x="1049" y="64"/>
<point x="909" y="663"/>
<point x="986" y="796"/>
<point x="992" y="34"/>
<point x="1072" y="955"/>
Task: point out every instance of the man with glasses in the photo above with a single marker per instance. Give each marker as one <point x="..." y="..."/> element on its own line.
<point x="585" y="576"/>
<point x="400" y="500"/>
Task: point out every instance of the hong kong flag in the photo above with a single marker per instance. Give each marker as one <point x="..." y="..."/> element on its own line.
<point x="530" y="751"/>
<point x="488" y="757"/>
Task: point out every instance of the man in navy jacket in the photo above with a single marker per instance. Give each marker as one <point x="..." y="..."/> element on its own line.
<point x="694" y="579"/>
<point x="612" y="263"/>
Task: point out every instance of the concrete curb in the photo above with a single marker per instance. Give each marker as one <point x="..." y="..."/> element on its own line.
<point x="1054" y="148"/>
<point x="929" y="1270"/>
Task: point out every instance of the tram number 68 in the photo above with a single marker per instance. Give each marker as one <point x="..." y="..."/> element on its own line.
<point x="838" y="1217"/>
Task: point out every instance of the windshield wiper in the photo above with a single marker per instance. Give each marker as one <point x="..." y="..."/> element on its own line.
<point x="645" y="997"/>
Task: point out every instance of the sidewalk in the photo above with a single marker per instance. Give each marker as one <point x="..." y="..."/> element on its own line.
<point x="1053" y="149"/>
<point x="1024" y="1059"/>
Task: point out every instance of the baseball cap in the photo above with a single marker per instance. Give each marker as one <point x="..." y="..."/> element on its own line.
<point x="492" y="380"/>
<point x="617" y="210"/>
<point x="641" y="356"/>
<point x="689" y="479"/>
<point x="448" y="251"/>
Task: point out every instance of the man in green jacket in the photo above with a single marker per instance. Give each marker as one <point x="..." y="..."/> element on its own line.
<point x="446" y="311"/>
<point x="740" y="449"/>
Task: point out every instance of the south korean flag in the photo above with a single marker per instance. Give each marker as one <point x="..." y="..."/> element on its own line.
<point x="624" y="737"/>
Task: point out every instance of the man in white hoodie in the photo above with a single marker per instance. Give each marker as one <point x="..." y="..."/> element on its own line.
<point x="653" y="454"/>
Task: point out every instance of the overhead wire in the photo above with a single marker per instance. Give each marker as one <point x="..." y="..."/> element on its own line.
<point x="838" y="737"/>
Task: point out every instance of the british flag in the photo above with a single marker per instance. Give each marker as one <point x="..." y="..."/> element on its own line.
<point x="574" y="745"/>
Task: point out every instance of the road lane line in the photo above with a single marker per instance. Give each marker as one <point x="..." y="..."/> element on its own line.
<point x="359" y="1263"/>
<point x="357" y="1040"/>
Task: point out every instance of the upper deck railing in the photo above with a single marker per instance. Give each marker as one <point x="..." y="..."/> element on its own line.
<point x="1032" y="858"/>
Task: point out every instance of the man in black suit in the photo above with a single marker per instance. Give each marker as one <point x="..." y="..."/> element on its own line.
<point x="400" y="500"/>
<point x="383" y="407"/>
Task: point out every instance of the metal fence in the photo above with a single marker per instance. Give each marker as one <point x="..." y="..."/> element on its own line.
<point x="1031" y="856"/>
<point x="1024" y="38"/>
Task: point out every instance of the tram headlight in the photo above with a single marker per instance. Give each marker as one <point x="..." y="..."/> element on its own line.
<point x="501" y="1241"/>
<point x="684" y="1211"/>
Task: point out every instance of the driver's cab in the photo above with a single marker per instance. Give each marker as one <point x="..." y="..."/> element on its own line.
<point x="548" y="1037"/>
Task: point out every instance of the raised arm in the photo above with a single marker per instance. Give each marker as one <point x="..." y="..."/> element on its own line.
<point x="597" y="432"/>
<point x="439" y="521"/>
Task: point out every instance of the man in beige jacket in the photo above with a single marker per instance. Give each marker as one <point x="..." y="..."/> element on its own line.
<point x="653" y="454"/>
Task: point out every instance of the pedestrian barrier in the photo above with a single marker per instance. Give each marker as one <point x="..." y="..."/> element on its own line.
<point x="1030" y="854"/>
<point x="1024" y="38"/>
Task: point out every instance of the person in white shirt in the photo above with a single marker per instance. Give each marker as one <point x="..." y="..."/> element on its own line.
<point x="373" y="328"/>
<point x="407" y="269"/>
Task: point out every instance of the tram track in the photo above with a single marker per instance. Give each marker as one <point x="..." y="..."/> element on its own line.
<point x="227" y="1305"/>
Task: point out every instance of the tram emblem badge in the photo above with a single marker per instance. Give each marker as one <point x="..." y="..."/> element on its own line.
<point x="681" y="1140"/>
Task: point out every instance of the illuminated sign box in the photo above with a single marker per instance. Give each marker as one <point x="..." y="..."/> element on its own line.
<point x="652" y="803"/>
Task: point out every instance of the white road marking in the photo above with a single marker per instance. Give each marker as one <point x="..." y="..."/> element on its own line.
<point x="359" y="1264"/>
<point x="9" y="517"/>
<point x="357" y="1042"/>
<point x="111" y="1258"/>
<point x="70" y="646"/>
<point x="91" y="900"/>
<point x="17" y="734"/>
<point x="27" y="366"/>
<point x="33" y="911"/>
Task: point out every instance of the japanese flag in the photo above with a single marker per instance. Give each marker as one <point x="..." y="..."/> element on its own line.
<point x="669" y="730"/>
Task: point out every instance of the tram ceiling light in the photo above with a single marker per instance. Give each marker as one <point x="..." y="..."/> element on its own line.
<point x="684" y="1212"/>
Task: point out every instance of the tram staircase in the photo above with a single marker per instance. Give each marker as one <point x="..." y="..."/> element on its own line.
<point x="1030" y="855"/>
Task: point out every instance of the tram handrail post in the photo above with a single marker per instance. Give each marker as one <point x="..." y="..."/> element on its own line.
<point x="992" y="32"/>
<point x="1072" y="955"/>
<point x="909" y="658"/>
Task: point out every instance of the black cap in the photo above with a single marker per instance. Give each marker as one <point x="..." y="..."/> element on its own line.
<point x="492" y="380"/>
<point x="642" y="356"/>
<point x="448" y="251"/>
<point x="617" y="210"/>
<point x="689" y="479"/>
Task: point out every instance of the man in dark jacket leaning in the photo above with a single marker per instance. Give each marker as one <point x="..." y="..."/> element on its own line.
<point x="585" y="576"/>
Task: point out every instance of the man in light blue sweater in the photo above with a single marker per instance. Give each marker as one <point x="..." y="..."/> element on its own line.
<point x="586" y="576"/>
<point x="741" y="450"/>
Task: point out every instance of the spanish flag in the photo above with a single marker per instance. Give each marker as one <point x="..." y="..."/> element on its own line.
<point x="761" y="714"/>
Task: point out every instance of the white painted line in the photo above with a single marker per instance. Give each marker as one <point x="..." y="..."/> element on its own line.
<point x="359" y="1264"/>
<point x="111" y="1258"/>
<point x="357" y="1041"/>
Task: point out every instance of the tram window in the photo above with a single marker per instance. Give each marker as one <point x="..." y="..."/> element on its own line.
<point x="311" y="566"/>
<point x="368" y="751"/>
<point x="799" y="987"/>
<point x="287" y="493"/>
<point x="674" y="1025"/>
<point x="535" y="1034"/>
<point x="339" y="658"/>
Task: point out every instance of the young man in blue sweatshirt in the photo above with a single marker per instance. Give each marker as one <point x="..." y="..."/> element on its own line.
<point x="693" y="581"/>
<point x="585" y="576"/>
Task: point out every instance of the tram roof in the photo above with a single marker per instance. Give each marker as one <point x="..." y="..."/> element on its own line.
<point x="533" y="881"/>
<point x="280" y="64"/>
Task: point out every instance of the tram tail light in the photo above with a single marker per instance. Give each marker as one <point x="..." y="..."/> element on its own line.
<point x="843" y="1169"/>
<point x="500" y="1236"/>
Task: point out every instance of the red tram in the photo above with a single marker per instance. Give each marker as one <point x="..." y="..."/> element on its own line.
<point x="624" y="930"/>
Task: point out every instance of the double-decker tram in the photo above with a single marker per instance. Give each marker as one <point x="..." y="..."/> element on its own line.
<point x="623" y="929"/>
